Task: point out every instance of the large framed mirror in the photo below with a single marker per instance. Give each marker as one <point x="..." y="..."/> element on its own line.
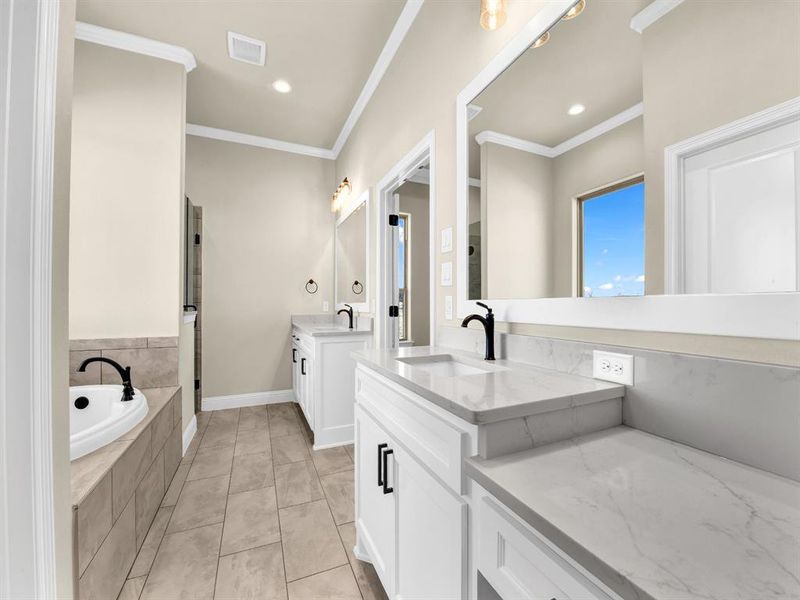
<point x="352" y="255"/>
<point x="636" y="165"/>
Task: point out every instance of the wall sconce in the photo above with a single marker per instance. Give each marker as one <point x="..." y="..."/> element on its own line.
<point x="493" y="14"/>
<point x="341" y="194"/>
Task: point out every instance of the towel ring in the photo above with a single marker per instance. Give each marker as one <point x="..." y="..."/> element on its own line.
<point x="357" y="287"/>
<point x="311" y="286"/>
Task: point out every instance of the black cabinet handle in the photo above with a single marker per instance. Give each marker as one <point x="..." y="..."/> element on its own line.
<point x="303" y="366"/>
<point x="380" y="473"/>
<point x="294" y="355"/>
<point x="386" y="488"/>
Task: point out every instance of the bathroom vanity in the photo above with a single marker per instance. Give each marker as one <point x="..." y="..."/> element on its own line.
<point x="487" y="480"/>
<point x="322" y="380"/>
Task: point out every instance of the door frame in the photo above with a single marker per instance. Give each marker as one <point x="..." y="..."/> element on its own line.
<point x="423" y="151"/>
<point x="28" y="62"/>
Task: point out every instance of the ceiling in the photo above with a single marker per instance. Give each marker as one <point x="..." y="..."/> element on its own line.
<point x="324" y="49"/>
<point x="594" y="59"/>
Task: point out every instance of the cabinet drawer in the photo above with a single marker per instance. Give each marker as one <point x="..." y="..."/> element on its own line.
<point x="518" y="564"/>
<point x="437" y="443"/>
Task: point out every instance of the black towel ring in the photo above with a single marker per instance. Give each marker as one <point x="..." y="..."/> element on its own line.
<point x="311" y="286"/>
<point x="357" y="287"/>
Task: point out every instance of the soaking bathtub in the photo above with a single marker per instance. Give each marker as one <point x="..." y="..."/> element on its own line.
<point x="97" y="416"/>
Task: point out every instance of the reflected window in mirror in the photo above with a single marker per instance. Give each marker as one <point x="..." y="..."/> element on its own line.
<point x="403" y="274"/>
<point x="611" y="257"/>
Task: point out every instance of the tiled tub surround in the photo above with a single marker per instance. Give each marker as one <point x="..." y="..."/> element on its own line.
<point x="153" y="361"/>
<point x="116" y="493"/>
<point x="747" y="412"/>
<point x="655" y="519"/>
<point x="255" y="512"/>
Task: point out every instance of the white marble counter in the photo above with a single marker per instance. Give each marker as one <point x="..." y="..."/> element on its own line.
<point x="328" y="325"/>
<point x="510" y="391"/>
<point x="655" y="519"/>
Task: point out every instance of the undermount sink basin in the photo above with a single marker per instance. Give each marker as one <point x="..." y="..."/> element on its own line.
<point x="447" y="365"/>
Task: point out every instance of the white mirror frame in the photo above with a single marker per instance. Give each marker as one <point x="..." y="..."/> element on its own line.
<point x="343" y="215"/>
<point x="770" y="316"/>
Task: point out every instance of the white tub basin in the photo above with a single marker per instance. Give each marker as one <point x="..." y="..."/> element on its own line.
<point x="104" y="419"/>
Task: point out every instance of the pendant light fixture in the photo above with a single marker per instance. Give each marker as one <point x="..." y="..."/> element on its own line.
<point x="341" y="194"/>
<point x="493" y="14"/>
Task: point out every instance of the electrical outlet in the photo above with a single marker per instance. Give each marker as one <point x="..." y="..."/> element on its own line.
<point x="325" y="306"/>
<point x="611" y="366"/>
<point x="448" y="308"/>
<point x="447" y="274"/>
<point x="447" y="239"/>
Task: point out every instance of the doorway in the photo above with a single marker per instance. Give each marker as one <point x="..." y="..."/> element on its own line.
<point x="405" y="314"/>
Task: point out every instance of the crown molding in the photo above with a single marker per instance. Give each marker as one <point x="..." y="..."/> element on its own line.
<point x="112" y="38"/>
<point x="401" y="27"/>
<point x="258" y="141"/>
<point x="635" y="111"/>
<point x="652" y="13"/>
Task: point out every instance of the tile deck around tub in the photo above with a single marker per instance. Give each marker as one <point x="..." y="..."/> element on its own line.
<point x="254" y="512"/>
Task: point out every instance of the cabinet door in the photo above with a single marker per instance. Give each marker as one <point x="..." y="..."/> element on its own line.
<point x="432" y="534"/>
<point x="375" y="518"/>
<point x="306" y="387"/>
<point x="295" y="371"/>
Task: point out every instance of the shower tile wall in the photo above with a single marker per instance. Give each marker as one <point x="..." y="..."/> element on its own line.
<point x="153" y="361"/>
<point x="198" y="300"/>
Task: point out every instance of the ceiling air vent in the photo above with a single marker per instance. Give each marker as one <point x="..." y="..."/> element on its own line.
<point x="246" y="49"/>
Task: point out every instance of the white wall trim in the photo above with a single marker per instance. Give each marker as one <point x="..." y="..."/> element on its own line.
<point x="652" y="13"/>
<point x="121" y="40"/>
<point x="401" y="27"/>
<point x="629" y="114"/>
<point x="189" y="433"/>
<point x="241" y="400"/>
<point x="29" y="31"/>
<point x="236" y="137"/>
<point x="423" y="176"/>
<point x="675" y="157"/>
<point x="771" y="316"/>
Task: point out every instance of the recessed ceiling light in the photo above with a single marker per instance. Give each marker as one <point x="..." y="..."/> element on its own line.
<point x="576" y="109"/>
<point x="575" y="10"/>
<point x="282" y="86"/>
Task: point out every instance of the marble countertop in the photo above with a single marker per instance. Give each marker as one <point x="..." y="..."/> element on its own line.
<point x="329" y="325"/>
<point x="510" y="390"/>
<point x="655" y="519"/>
<point x="88" y="470"/>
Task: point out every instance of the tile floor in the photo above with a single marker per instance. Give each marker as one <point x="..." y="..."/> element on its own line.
<point x="254" y="512"/>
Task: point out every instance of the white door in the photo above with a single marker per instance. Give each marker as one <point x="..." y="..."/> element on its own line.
<point x="375" y="519"/>
<point x="742" y="207"/>
<point x="394" y="299"/>
<point x="432" y="526"/>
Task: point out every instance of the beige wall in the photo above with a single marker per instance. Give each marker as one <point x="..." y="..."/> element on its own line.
<point x="415" y="200"/>
<point x="267" y="229"/>
<point x="437" y="62"/>
<point x="728" y="64"/>
<point x="516" y="218"/>
<point x="126" y="201"/>
<point x="62" y="490"/>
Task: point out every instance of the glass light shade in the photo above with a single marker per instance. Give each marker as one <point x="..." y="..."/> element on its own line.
<point x="493" y="14"/>
<point x="575" y="10"/>
<point x="542" y="40"/>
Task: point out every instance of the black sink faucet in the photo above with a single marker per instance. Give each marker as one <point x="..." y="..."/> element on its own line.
<point x="349" y="311"/>
<point x="124" y="373"/>
<point x="488" y="328"/>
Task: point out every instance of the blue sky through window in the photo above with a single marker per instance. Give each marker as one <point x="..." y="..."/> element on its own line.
<point x="613" y="243"/>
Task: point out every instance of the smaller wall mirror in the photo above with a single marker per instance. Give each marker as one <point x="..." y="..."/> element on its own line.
<point x="351" y="256"/>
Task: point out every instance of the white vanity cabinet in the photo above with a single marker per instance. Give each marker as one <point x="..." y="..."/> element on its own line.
<point x="411" y="516"/>
<point x="322" y="382"/>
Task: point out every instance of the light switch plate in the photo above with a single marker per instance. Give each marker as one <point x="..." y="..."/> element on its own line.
<point x="447" y="274"/>
<point x="611" y="366"/>
<point x="447" y="239"/>
<point x="325" y="306"/>
<point x="448" y="308"/>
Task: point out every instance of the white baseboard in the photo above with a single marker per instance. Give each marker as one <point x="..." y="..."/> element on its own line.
<point x="189" y="432"/>
<point x="240" y="400"/>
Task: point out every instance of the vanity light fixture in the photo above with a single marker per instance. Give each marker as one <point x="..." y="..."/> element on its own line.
<point x="340" y="195"/>
<point x="574" y="11"/>
<point x="282" y="86"/>
<point x="541" y="41"/>
<point x="493" y="14"/>
<point x="576" y="109"/>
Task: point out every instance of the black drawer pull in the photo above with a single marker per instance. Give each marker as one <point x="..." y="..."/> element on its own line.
<point x="294" y="355"/>
<point x="380" y="474"/>
<point x="386" y="488"/>
<point x="302" y="366"/>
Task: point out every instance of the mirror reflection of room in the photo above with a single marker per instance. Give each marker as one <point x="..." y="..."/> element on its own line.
<point x="351" y="257"/>
<point x="568" y="149"/>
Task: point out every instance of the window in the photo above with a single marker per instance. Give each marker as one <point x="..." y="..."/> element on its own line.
<point x="402" y="275"/>
<point x="612" y="241"/>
